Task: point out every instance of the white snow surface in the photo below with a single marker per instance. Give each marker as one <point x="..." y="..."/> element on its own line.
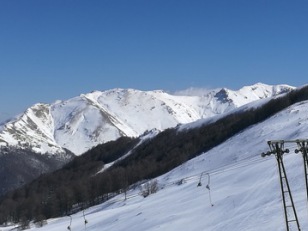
<point x="244" y="188"/>
<point x="83" y="122"/>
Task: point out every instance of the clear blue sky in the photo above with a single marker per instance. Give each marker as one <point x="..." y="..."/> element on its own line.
<point x="57" y="49"/>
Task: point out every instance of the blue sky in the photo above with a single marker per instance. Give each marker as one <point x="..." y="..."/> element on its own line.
<point x="58" y="49"/>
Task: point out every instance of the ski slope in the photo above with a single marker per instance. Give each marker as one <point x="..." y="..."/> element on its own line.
<point x="244" y="188"/>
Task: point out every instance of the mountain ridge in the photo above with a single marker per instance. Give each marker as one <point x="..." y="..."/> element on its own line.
<point x="82" y="122"/>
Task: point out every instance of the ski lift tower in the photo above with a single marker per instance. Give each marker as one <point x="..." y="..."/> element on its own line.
<point x="291" y="219"/>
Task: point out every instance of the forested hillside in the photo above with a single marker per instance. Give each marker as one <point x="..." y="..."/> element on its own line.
<point x="20" y="166"/>
<point x="79" y="185"/>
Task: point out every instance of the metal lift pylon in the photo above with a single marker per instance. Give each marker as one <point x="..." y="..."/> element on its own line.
<point x="291" y="220"/>
<point x="303" y="148"/>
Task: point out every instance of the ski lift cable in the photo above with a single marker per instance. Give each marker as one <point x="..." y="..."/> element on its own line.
<point x="223" y="168"/>
<point x="237" y="165"/>
<point x="243" y="163"/>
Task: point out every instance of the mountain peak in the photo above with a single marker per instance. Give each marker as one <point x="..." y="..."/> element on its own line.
<point x="223" y="96"/>
<point x="79" y="123"/>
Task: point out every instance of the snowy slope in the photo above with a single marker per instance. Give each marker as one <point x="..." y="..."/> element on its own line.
<point x="83" y="122"/>
<point x="244" y="188"/>
<point x="34" y="128"/>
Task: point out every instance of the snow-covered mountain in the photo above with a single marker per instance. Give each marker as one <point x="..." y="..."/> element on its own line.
<point x="239" y="189"/>
<point x="83" y="122"/>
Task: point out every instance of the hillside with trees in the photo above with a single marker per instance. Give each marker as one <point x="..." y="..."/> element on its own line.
<point x="21" y="166"/>
<point x="81" y="183"/>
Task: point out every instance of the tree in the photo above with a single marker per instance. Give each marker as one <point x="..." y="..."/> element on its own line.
<point x="149" y="188"/>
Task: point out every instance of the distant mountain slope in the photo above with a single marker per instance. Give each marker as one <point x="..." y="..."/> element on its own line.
<point x="20" y="166"/>
<point x="83" y="122"/>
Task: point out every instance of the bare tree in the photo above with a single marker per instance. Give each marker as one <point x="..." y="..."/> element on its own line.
<point x="149" y="188"/>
